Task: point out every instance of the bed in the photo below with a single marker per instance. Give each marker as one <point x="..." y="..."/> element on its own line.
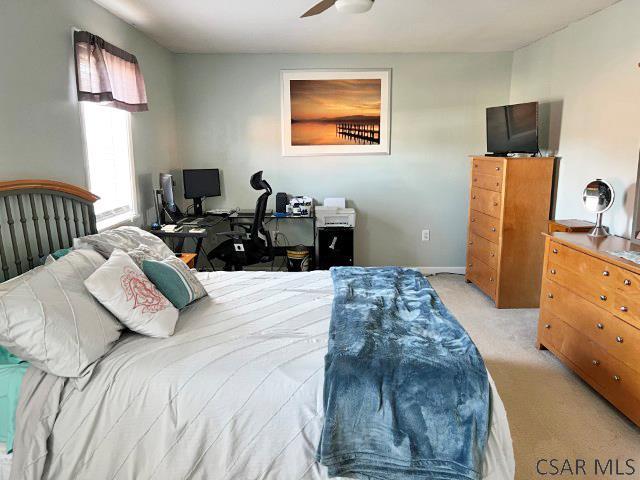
<point x="236" y="393"/>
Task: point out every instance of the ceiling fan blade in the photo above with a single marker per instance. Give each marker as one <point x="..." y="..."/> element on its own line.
<point x="319" y="8"/>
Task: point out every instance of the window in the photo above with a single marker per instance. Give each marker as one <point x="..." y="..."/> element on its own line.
<point x="110" y="168"/>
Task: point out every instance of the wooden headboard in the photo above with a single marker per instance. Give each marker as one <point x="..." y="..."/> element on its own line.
<point x="38" y="217"/>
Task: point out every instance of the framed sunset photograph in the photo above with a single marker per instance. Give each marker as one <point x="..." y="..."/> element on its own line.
<point x="336" y="112"/>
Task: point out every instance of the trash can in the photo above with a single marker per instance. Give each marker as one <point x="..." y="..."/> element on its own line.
<point x="298" y="259"/>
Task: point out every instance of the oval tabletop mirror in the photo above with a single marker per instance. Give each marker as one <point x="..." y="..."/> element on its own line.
<point x="598" y="197"/>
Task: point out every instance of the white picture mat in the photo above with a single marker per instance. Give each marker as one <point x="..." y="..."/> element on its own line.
<point x="384" y="75"/>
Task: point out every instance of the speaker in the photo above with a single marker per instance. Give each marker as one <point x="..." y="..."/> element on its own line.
<point x="335" y="247"/>
<point x="281" y="202"/>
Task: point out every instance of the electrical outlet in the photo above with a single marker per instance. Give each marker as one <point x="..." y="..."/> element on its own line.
<point x="426" y="235"/>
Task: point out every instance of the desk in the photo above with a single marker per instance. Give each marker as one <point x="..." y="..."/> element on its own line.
<point x="246" y="218"/>
<point x="178" y="239"/>
<point x="209" y="221"/>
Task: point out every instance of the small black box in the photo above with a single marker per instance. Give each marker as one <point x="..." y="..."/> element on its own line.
<point x="281" y="202"/>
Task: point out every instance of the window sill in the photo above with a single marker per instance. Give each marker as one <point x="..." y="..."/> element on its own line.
<point x="118" y="221"/>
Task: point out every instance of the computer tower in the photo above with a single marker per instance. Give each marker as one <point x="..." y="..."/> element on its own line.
<point x="335" y="247"/>
<point x="282" y="199"/>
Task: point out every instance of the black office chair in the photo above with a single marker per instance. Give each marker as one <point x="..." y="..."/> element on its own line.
<point x="253" y="245"/>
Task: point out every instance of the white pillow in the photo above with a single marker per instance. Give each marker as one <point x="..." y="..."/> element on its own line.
<point x="49" y="319"/>
<point x="126" y="292"/>
<point x="123" y="238"/>
<point x="142" y="253"/>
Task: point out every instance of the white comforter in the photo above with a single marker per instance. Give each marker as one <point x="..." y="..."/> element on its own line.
<point x="236" y="393"/>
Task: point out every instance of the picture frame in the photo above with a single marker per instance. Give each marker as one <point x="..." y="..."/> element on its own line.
<point x="336" y="112"/>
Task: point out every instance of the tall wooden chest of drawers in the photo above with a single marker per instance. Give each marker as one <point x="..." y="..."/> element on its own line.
<point x="590" y="314"/>
<point x="509" y="205"/>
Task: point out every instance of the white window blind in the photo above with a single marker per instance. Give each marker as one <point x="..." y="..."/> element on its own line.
<point x="110" y="167"/>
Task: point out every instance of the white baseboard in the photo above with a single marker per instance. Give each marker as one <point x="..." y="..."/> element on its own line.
<point x="434" y="270"/>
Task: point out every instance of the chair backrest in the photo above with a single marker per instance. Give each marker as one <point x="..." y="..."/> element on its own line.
<point x="258" y="183"/>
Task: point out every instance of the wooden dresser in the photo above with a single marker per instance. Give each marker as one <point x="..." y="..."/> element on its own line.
<point x="509" y="207"/>
<point x="590" y="314"/>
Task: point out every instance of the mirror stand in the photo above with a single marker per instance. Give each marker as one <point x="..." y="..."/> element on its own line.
<point x="599" y="230"/>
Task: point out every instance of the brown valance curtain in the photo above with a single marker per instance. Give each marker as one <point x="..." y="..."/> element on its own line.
<point x="107" y="74"/>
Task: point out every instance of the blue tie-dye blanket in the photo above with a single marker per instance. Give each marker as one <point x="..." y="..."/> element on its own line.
<point x="406" y="392"/>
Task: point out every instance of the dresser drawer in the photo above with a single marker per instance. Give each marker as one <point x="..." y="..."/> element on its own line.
<point x="620" y="383"/>
<point x="592" y="291"/>
<point x="613" y="379"/>
<point x="484" y="226"/>
<point x="485" y="201"/>
<point x="488" y="166"/>
<point x="488" y="182"/>
<point x="482" y="275"/>
<point x="620" y="339"/>
<point x="608" y="286"/>
<point x="483" y="250"/>
<point x="595" y="271"/>
<point x="551" y="330"/>
<point x="626" y="307"/>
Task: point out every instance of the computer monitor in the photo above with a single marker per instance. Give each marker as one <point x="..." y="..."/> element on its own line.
<point x="199" y="184"/>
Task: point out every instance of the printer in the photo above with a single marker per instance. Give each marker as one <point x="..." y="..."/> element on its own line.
<point x="330" y="217"/>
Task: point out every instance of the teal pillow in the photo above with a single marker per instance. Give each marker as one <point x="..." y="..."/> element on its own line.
<point x="174" y="280"/>
<point x="7" y="358"/>
<point x="12" y="369"/>
<point x="10" y="381"/>
<point x="58" y="254"/>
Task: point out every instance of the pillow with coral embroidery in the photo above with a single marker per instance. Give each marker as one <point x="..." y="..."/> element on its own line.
<point x="123" y="289"/>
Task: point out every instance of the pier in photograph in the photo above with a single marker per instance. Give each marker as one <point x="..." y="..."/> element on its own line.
<point x="361" y="132"/>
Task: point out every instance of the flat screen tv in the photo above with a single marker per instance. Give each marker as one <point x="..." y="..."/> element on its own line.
<point x="513" y="128"/>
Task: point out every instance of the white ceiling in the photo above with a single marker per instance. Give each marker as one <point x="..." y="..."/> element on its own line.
<point x="270" y="26"/>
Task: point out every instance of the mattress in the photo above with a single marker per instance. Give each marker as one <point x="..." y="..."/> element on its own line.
<point x="236" y="393"/>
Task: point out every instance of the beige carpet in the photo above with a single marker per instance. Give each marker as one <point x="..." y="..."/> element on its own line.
<point x="552" y="413"/>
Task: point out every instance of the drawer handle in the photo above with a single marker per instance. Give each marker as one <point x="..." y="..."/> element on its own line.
<point x="547" y="326"/>
<point x="493" y="229"/>
<point x="473" y="197"/>
<point x="619" y="339"/>
<point x="550" y="295"/>
<point x="470" y="265"/>
<point x="617" y="378"/>
<point x="475" y="179"/>
<point x="473" y="220"/>
<point x="495" y="204"/>
<point x="470" y="243"/>
<point x="600" y="326"/>
<point x="491" y="279"/>
<point x="605" y="273"/>
<point x="603" y="298"/>
<point x="595" y="363"/>
<point x="497" y="184"/>
<point x="624" y="309"/>
<point x="627" y="282"/>
<point x="555" y="250"/>
<point x="492" y="254"/>
<point x="553" y="271"/>
<point x="497" y="169"/>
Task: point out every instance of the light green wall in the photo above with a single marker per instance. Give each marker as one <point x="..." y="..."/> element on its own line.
<point x="224" y="111"/>
<point x="40" y="133"/>
<point x="228" y="115"/>
<point x="587" y="75"/>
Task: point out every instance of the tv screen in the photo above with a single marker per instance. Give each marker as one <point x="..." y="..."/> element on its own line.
<point x="513" y="128"/>
<point x="201" y="183"/>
